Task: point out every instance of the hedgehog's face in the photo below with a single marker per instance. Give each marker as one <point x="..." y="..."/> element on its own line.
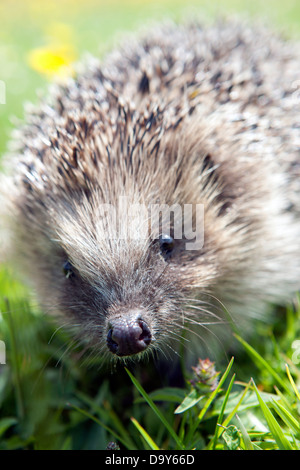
<point x="128" y="308"/>
<point x="127" y="291"/>
<point x="112" y="305"/>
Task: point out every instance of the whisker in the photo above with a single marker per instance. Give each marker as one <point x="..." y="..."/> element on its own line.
<point x="197" y="334"/>
<point x="63" y="326"/>
<point x="204" y="311"/>
<point x="204" y="302"/>
<point x="71" y="346"/>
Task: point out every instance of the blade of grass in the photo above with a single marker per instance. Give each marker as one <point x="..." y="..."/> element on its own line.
<point x="245" y="435"/>
<point x="287" y="417"/>
<point x="284" y="400"/>
<point x="145" y="435"/>
<point x="107" y="428"/>
<point x="189" y="401"/>
<point x="218" y="430"/>
<point x="230" y="416"/>
<point x="263" y="363"/>
<point x="156" y="410"/>
<point x="106" y="413"/>
<point x="215" y="392"/>
<point x="275" y="429"/>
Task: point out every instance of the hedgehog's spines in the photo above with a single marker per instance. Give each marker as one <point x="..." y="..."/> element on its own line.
<point x="186" y="116"/>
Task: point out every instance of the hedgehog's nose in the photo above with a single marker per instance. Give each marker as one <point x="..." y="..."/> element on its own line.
<point x="128" y="335"/>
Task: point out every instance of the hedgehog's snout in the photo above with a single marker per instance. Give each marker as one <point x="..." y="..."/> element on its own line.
<point x="128" y="334"/>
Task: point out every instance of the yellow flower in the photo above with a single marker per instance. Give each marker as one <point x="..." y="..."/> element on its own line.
<point x="52" y="60"/>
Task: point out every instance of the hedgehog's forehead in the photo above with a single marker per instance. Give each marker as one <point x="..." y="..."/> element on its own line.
<point x="99" y="254"/>
<point x="125" y="218"/>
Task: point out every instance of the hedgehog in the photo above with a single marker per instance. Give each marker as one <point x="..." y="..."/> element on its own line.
<point x="195" y="126"/>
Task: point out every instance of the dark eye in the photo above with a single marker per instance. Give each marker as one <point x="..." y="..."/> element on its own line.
<point x="166" y="244"/>
<point x="68" y="269"/>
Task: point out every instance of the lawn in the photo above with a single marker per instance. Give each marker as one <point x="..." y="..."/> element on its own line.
<point x="52" y="396"/>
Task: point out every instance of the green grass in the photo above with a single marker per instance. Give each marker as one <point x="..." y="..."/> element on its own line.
<point x="52" y="397"/>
